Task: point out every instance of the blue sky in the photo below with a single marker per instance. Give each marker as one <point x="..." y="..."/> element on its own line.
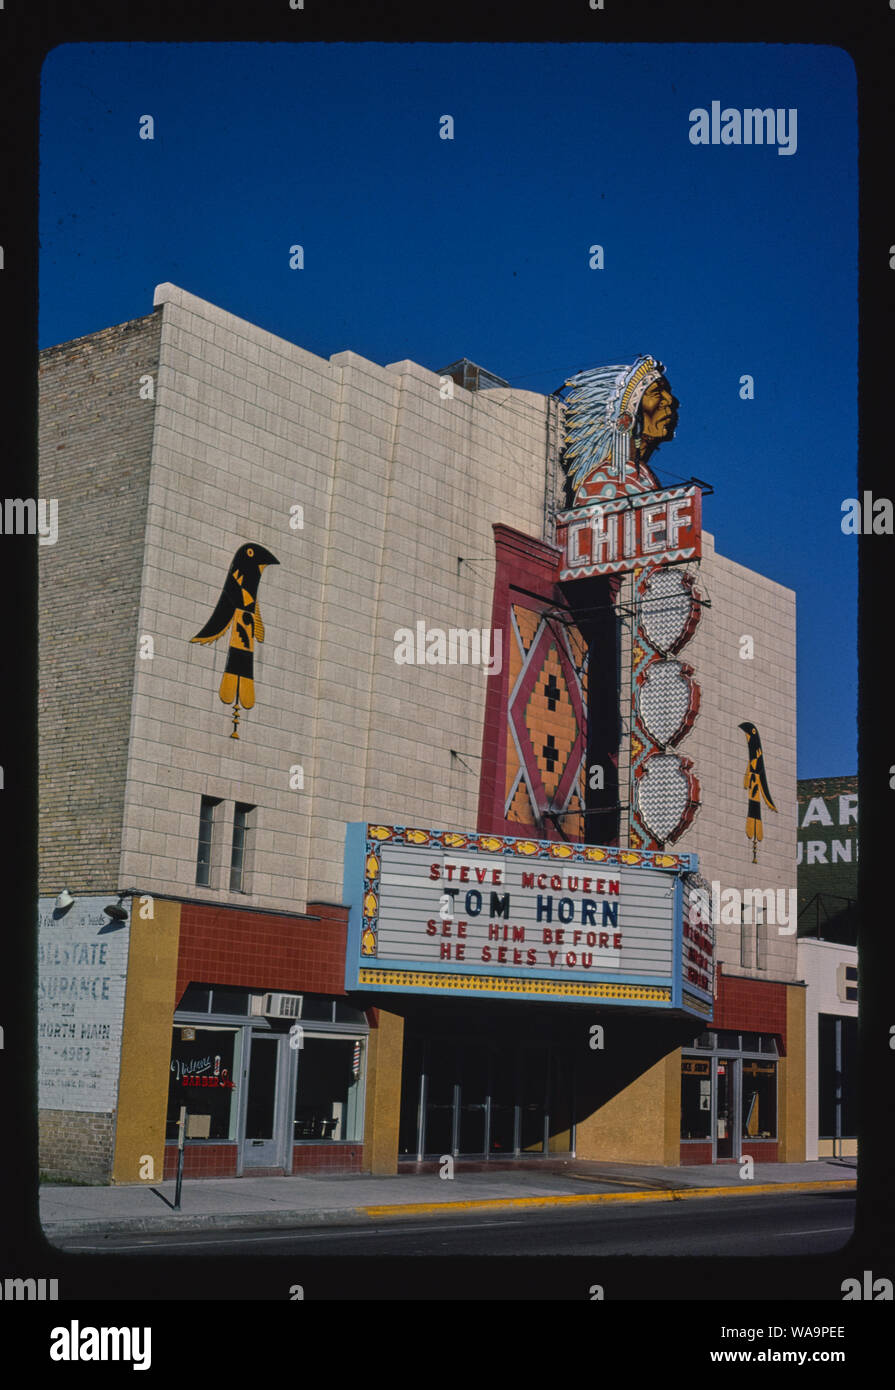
<point x="721" y="260"/>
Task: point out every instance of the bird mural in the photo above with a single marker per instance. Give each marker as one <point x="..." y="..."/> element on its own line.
<point x="756" y="784"/>
<point x="237" y="609"/>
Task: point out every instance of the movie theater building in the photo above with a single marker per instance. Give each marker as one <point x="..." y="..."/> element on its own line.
<point x="405" y="788"/>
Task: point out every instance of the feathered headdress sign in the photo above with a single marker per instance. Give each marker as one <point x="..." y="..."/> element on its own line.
<point x="601" y="414"/>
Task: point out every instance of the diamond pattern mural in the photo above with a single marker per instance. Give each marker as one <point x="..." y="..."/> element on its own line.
<point x="546" y="720"/>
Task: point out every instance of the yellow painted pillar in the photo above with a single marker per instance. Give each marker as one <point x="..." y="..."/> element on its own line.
<point x="384" y="1058"/>
<point x="791" y="1081"/>
<point x="146" y="1044"/>
<point x="641" y="1124"/>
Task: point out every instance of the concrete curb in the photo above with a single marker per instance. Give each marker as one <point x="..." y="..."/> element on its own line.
<point x="237" y="1221"/>
<point x="362" y="1216"/>
<point x="675" y="1194"/>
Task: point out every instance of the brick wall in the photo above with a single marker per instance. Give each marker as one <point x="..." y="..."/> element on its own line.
<point x="750" y="1006"/>
<point x="95" y="438"/>
<point x="75" y="1144"/>
<point x="219" y="1160"/>
<point x="328" y="1158"/>
<point x="260" y="951"/>
<point x="203" y="1160"/>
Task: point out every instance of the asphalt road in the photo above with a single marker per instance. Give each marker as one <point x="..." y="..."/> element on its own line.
<point x="763" y="1226"/>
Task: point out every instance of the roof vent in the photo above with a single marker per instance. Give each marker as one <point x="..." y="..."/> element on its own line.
<point x="472" y="377"/>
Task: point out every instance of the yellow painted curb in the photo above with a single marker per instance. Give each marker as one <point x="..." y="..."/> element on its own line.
<point x="673" y="1195"/>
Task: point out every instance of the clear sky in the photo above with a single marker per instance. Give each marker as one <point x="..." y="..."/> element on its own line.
<point x="722" y="260"/>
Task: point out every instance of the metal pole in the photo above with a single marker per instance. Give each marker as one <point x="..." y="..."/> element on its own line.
<point x="180" y="1143"/>
<point x="837" y="1142"/>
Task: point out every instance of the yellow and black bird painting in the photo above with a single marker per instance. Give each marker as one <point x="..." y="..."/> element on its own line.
<point x="756" y="784"/>
<point x="237" y="609"/>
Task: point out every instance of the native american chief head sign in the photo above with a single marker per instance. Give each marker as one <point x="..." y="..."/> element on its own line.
<point x="623" y="521"/>
<point x="616" y="417"/>
<point x="621" y="518"/>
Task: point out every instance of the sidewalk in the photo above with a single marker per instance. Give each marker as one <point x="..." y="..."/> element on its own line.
<point x="352" y="1199"/>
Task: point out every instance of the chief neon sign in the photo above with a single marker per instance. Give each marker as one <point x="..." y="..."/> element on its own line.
<point x="628" y="532"/>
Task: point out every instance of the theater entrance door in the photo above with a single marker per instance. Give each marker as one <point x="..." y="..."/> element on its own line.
<point x="478" y="1098"/>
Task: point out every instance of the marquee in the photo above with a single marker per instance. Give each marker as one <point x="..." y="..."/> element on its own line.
<point x="446" y="912"/>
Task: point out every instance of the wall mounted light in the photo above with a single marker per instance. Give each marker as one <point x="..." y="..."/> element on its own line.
<point x="116" y="911"/>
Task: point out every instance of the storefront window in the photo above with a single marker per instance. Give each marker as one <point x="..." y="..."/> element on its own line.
<point x="847" y="1028"/>
<point x="203" y="1064"/>
<point x="696" y="1098"/>
<point x="751" y="1078"/>
<point x="316" y="1010"/>
<point x="328" y="1089"/>
<point x="196" y="999"/>
<point x="759" y="1097"/>
<point x="229" y="1001"/>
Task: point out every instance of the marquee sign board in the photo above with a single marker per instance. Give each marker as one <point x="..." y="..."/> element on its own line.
<point x="627" y="533"/>
<point x="443" y="912"/>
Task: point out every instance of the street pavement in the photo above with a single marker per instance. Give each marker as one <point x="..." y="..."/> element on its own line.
<point x="357" y="1200"/>
<point x="764" y="1225"/>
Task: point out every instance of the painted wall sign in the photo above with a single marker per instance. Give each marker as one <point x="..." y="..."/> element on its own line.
<point x="827" y="852"/>
<point x="237" y="609"/>
<point x="492" y="915"/>
<point x="828" y="825"/>
<point x="617" y="536"/>
<point x="82" y="969"/>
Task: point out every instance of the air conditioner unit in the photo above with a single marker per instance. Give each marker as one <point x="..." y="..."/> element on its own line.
<point x="282" y="1005"/>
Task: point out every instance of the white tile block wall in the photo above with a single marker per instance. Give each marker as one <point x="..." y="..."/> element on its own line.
<point x="397" y="486"/>
<point x="400" y="490"/>
<point x="734" y="691"/>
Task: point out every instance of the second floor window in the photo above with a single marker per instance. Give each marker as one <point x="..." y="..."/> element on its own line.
<point x="243" y="819"/>
<point x="207" y="811"/>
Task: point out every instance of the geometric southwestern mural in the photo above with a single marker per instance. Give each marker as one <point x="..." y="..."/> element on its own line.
<point x="546" y="721"/>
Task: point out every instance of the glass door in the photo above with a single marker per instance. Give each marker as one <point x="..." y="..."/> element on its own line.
<point x="263" y="1137"/>
<point x="474" y="1073"/>
<point x="502" y="1134"/>
<point x="442" y="1090"/>
<point x="727" y="1126"/>
<point x="533" y="1099"/>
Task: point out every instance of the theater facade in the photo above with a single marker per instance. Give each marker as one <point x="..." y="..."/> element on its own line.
<point x="437" y="796"/>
